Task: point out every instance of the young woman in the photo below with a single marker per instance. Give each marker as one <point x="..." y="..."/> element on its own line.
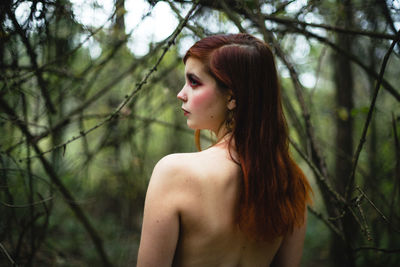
<point x="241" y="202"/>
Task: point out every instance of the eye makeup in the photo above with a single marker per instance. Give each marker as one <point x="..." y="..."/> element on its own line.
<point x="193" y="80"/>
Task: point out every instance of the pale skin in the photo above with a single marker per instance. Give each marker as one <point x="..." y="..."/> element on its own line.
<point x="190" y="202"/>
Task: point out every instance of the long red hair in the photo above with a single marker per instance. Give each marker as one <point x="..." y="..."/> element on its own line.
<point x="274" y="191"/>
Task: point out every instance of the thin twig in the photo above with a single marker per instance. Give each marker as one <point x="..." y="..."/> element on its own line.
<point x="340" y="216"/>
<point x="351" y="57"/>
<point x="369" y="117"/>
<point x="286" y="20"/>
<point x="317" y="73"/>
<point x="317" y="173"/>
<point x="364" y="219"/>
<point x="32" y="56"/>
<point x="232" y="16"/>
<point x="327" y="222"/>
<point x="7" y="254"/>
<point x="26" y="122"/>
<point x="198" y="31"/>
<point x="26" y="205"/>
<point x="380" y="213"/>
<point x="378" y="249"/>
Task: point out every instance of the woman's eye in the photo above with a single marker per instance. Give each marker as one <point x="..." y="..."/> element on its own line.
<point x="193" y="82"/>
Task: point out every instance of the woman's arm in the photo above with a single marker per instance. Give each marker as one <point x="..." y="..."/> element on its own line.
<point x="160" y="227"/>
<point x="291" y="250"/>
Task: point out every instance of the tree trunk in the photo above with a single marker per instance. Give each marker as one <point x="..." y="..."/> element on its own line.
<point x="342" y="255"/>
<point x="119" y="22"/>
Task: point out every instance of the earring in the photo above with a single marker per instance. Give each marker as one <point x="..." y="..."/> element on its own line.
<point x="229" y="122"/>
<point x="231" y="104"/>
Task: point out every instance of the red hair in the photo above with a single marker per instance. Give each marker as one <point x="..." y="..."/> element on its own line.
<point x="274" y="191"/>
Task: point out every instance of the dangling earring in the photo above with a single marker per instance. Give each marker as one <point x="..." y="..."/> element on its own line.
<point x="229" y="122"/>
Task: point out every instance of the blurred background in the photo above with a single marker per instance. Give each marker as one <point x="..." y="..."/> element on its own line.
<point x="88" y="106"/>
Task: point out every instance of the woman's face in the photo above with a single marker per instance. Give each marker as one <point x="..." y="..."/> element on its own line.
<point x="204" y="105"/>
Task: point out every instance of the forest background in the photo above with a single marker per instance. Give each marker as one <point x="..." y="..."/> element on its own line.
<point x="87" y="109"/>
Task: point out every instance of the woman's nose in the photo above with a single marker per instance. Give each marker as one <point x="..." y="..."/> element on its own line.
<point x="182" y="96"/>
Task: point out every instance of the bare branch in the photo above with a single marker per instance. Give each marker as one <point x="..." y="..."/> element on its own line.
<point x="7" y="254"/>
<point x="196" y="30"/>
<point x="354" y="59"/>
<point x="364" y="219"/>
<point x="27" y="205"/>
<point x="378" y="249"/>
<point x="232" y="16"/>
<point x="318" y="174"/>
<point x="327" y="222"/>
<point x="369" y="116"/>
<point x="380" y="212"/>
<point x="290" y="21"/>
<point x="32" y="57"/>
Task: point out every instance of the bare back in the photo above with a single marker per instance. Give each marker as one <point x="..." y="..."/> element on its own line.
<point x="208" y="234"/>
<point x="189" y="217"/>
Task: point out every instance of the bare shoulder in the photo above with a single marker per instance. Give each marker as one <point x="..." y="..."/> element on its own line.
<point x="185" y="164"/>
<point x="168" y="166"/>
<point x="174" y="166"/>
<point x="173" y="171"/>
<point x="192" y="169"/>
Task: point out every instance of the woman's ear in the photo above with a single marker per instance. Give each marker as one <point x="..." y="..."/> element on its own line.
<point x="231" y="103"/>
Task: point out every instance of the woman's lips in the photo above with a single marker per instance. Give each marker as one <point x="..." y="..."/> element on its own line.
<point x="185" y="112"/>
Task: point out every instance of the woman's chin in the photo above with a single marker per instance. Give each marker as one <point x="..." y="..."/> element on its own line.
<point x="191" y="125"/>
<point x="199" y="126"/>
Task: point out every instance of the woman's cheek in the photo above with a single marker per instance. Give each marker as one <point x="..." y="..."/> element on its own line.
<point x="201" y="98"/>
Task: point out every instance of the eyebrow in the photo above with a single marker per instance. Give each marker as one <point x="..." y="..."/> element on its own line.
<point x="193" y="76"/>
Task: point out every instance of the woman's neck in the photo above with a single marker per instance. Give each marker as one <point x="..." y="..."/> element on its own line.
<point x="222" y="133"/>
